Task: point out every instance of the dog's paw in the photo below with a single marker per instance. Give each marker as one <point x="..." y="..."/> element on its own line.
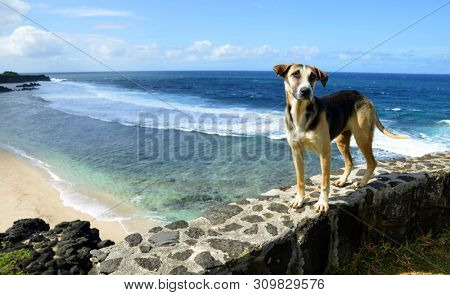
<point x="321" y="206"/>
<point x="297" y="202"/>
<point x="339" y="182"/>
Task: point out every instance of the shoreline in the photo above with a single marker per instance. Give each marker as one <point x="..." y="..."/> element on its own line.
<point x="26" y="192"/>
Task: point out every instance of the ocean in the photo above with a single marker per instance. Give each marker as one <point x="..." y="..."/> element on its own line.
<point x="176" y="143"/>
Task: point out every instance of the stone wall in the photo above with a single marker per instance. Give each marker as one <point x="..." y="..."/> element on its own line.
<point x="264" y="236"/>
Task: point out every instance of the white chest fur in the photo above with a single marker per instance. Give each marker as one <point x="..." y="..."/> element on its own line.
<point x="306" y="140"/>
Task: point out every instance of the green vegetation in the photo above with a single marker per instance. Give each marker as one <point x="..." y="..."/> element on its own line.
<point x="9" y="261"/>
<point x="10" y="74"/>
<point x="426" y="255"/>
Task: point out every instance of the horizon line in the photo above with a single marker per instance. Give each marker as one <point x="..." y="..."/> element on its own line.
<point x="124" y="71"/>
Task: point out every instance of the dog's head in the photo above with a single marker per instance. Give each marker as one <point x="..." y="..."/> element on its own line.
<point x="300" y="80"/>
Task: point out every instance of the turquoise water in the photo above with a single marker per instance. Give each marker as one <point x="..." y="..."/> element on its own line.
<point x="204" y="137"/>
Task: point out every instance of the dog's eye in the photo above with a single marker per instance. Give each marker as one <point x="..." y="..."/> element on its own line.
<point x="312" y="76"/>
<point x="296" y="74"/>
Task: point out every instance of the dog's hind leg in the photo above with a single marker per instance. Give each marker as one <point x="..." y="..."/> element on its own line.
<point x="363" y="131"/>
<point x="343" y="144"/>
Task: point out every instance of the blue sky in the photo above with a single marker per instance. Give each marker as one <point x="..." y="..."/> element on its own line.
<point x="224" y="35"/>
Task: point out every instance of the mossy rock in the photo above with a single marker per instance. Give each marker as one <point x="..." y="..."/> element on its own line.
<point x="9" y="261"/>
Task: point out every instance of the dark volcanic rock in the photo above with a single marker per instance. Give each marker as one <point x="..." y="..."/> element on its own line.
<point x="23" y="229"/>
<point x="182" y="255"/>
<point x="277" y="207"/>
<point x="272" y="229"/>
<point x="145" y="248"/>
<point x="32" y="84"/>
<point x="180" y="270"/>
<point x="134" y="239"/>
<point x="221" y="213"/>
<point x="5" y="89"/>
<point x="62" y="250"/>
<point x="152" y="263"/>
<point x="231" y="227"/>
<point x="165" y="238"/>
<point x="206" y="260"/>
<point x="109" y="266"/>
<point x="233" y="248"/>
<point x="251" y="230"/>
<point x="252" y="218"/>
<point x="195" y="232"/>
<point x="16" y="78"/>
<point x="177" y="224"/>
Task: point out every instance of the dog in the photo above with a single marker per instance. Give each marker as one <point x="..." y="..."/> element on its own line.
<point x="311" y="124"/>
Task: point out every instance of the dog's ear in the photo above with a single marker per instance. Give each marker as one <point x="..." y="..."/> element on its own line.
<point x="322" y="76"/>
<point x="281" y="70"/>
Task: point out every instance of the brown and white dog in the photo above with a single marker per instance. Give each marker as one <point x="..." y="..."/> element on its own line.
<point x="312" y="123"/>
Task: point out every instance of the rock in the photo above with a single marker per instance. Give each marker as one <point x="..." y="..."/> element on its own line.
<point x="12" y="77"/>
<point x="155" y="229"/>
<point x="288" y="223"/>
<point x="99" y="255"/>
<point x="268" y="215"/>
<point x="212" y="233"/>
<point x="109" y="266"/>
<point x="221" y="213"/>
<point x="206" y="260"/>
<point x="277" y="207"/>
<point x="251" y="230"/>
<point x="190" y="242"/>
<point x="5" y="89"/>
<point x="65" y="249"/>
<point x="182" y="255"/>
<point x="180" y="270"/>
<point x="165" y="238"/>
<point x="151" y="264"/>
<point x="145" y="248"/>
<point x="406" y="178"/>
<point x="243" y="202"/>
<point x="195" y="232"/>
<point x="32" y="84"/>
<point x="257" y="208"/>
<point x="231" y="227"/>
<point x="233" y="248"/>
<point x="104" y="244"/>
<point x="23" y="229"/>
<point x="252" y="218"/>
<point x="134" y="239"/>
<point x="177" y="225"/>
<point x="272" y="229"/>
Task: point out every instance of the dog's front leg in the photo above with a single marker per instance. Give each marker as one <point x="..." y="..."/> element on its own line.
<point x="297" y="156"/>
<point x="325" y="158"/>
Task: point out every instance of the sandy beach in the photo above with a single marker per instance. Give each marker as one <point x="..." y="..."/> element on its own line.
<point x="26" y="193"/>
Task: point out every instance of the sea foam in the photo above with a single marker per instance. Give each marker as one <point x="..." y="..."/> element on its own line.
<point x="192" y="113"/>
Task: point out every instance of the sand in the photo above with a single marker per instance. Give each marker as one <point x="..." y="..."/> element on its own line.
<point x="25" y="192"/>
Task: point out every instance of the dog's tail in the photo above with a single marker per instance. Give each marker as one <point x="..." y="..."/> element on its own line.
<point x="387" y="132"/>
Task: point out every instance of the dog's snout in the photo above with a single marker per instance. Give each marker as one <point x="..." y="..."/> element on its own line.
<point x="305" y="91"/>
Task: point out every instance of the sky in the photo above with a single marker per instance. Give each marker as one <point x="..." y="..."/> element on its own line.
<point x="223" y="35"/>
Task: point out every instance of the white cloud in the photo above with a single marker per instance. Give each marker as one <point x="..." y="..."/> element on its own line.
<point x="91" y="12"/>
<point x="9" y="18"/>
<point x="304" y="51"/>
<point x="27" y="41"/>
<point x="204" y="50"/>
<point x="199" y="46"/>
